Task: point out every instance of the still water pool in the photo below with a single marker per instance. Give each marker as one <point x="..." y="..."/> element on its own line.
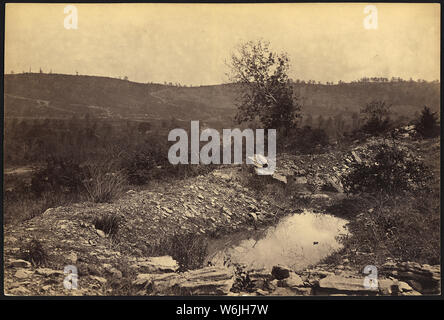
<point x="297" y="241"/>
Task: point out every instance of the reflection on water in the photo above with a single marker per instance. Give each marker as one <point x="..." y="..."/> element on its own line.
<point x="296" y="241"/>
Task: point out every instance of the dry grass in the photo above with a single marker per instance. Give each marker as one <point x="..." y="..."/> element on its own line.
<point x="105" y="183"/>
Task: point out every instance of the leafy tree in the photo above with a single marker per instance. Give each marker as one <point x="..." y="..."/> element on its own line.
<point x="427" y="125"/>
<point x="267" y="90"/>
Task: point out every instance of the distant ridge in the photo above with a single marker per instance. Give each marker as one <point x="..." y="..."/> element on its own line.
<point x="61" y="95"/>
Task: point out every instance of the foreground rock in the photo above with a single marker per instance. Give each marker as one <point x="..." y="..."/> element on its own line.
<point x="334" y="284"/>
<point x="422" y="278"/>
<point x="325" y="280"/>
<point x="205" y="281"/>
<point x="162" y="264"/>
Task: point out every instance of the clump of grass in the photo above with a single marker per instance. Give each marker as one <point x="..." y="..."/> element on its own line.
<point x="109" y="224"/>
<point x="104" y="183"/>
<point x="189" y="250"/>
<point x="35" y="253"/>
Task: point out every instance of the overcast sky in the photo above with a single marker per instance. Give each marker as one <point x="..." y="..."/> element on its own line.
<point x="188" y="43"/>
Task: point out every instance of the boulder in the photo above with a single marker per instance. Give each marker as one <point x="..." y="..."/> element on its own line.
<point x="281" y="291"/>
<point x="422" y="278"/>
<point x="404" y="287"/>
<point x="300" y="180"/>
<point x="293" y="281"/>
<point x="280" y="272"/>
<point x="156" y="283"/>
<point x="388" y="287"/>
<point x="20" y="291"/>
<point x="333" y="184"/>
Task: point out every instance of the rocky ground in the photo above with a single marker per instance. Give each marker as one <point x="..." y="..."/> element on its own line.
<point x="228" y="199"/>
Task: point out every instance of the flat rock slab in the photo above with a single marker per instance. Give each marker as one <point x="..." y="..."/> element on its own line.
<point x="344" y="285"/>
<point x="205" y="281"/>
<point x="163" y="264"/>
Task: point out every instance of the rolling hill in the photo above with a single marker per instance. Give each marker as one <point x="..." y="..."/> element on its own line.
<point x="38" y="95"/>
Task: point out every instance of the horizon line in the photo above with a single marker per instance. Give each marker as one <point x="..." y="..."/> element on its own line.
<point x="178" y="85"/>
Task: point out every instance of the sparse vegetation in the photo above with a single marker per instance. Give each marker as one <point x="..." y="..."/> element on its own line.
<point x="189" y="250"/>
<point x="402" y="228"/>
<point x="35" y="253"/>
<point x="103" y="183"/>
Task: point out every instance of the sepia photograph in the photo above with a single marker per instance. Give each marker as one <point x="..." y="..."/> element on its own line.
<point x="223" y="150"/>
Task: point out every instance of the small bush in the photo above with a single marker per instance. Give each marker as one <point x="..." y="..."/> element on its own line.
<point x="58" y="175"/>
<point x="35" y="253"/>
<point x="242" y="281"/>
<point x="139" y="165"/>
<point x="393" y="170"/>
<point x="108" y="224"/>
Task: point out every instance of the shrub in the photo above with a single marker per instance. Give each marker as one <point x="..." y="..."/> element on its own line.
<point x="59" y="174"/>
<point x="104" y="182"/>
<point x="427" y="124"/>
<point x="393" y="170"/>
<point x="139" y="166"/>
<point x="35" y="253"/>
<point x="242" y="281"/>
